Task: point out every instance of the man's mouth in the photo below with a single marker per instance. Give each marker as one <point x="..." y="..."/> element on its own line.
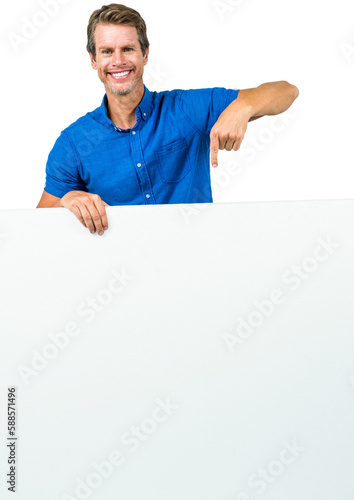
<point x="120" y="75"/>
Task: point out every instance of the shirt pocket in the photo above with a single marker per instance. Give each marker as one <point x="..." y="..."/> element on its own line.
<point x="173" y="161"/>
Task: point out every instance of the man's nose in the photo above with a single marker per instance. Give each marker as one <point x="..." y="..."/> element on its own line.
<point x="118" y="58"/>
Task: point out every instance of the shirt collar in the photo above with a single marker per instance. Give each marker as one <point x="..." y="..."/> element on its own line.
<point x="143" y="109"/>
<point x="145" y="105"/>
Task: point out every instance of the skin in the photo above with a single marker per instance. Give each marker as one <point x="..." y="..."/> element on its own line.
<point x="251" y="104"/>
<point x="118" y="50"/>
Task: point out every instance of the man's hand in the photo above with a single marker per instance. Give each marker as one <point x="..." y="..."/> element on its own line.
<point x="88" y="208"/>
<point x="229" y="131"/>
<point x="267" y="99"/>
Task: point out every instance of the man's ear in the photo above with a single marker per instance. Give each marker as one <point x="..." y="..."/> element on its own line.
<point x="93" y="62"/>
<point x="146" y="56"/>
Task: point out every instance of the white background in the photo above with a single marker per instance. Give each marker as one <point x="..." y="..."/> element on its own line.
<point x="48" y="83"/>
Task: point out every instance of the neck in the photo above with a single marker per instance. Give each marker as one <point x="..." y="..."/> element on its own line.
<point x="121" y="108"/>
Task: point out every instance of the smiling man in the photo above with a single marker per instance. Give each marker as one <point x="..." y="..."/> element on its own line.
<point x="142" y="147"/>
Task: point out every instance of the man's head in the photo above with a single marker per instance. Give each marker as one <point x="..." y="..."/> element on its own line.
<point x="118" y="46"/>
<point x="116" y="14"/>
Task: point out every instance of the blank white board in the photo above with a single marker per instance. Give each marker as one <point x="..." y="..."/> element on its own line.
<point x="195" y="352"/>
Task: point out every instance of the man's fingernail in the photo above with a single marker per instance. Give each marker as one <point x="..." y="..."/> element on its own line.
<point x="105" y="228"/>
<point x="93" y="231"/>
<point x="215" y="164"/>
<point x="101" y="233"/>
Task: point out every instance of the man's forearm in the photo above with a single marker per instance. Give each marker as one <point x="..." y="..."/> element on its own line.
<point x="267" y="99"/>
<point x="59" y="203"/>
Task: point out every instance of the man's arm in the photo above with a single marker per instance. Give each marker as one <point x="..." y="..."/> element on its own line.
<point x="48" y="200"/>
<point x="88" y="208"/>
<point x="267" y="99"/>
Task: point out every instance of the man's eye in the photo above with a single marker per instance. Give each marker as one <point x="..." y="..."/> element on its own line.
<point x="128" y="49"/>
<point x="107" y="51"/>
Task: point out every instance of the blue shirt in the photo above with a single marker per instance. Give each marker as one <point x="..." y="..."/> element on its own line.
<point x="164" y="158"/>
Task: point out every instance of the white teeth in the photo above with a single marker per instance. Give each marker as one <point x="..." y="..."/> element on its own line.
<point x="118" y="75"/>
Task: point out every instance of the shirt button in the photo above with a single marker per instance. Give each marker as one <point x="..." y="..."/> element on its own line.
<point x="144" y="114"/>
<point x="139" y="165"/>
<point x="147" y="196"/>
<point x="133" y="132"/>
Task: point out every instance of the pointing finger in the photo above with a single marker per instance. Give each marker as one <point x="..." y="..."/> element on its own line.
<point x="214" y="149"/>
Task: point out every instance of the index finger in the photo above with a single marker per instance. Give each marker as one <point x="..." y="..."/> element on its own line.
<point x="100" y="205"/>
<point x="214" y="149"/>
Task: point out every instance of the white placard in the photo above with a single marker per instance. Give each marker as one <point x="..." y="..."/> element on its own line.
<point x="195" y="352"/>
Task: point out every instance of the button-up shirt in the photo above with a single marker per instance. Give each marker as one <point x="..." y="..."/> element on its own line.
<point x="164" y="158"/>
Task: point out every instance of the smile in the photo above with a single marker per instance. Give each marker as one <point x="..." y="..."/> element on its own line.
<point x="118" y="76"/>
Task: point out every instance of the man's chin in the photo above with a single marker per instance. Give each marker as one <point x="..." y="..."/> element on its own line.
<point x="123" y="91"/>
<point x="119" y="92"/>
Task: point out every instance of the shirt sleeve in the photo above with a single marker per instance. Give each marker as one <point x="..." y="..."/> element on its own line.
<point x="202" y="107"/>
<point x="62" y="169"/>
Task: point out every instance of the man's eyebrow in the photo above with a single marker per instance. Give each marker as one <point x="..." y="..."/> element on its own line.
<point x="126" y="46"/>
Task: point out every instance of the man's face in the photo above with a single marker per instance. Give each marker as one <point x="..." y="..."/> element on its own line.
<point x="119" y="59"/>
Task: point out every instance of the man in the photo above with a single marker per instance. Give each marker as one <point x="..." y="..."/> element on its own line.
<point x="142" y="147"/>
